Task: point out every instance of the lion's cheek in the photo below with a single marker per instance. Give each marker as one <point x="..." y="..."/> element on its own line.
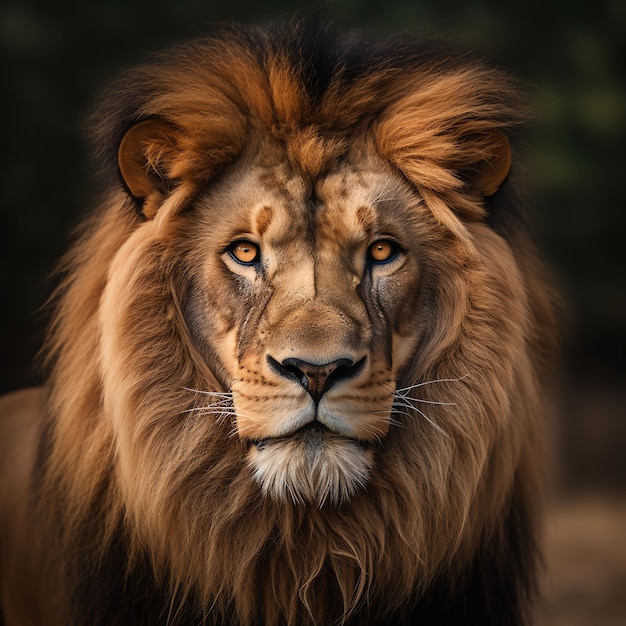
<point x="403" y="348"/>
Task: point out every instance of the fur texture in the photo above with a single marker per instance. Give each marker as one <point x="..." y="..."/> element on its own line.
<point x="180" y="479"/>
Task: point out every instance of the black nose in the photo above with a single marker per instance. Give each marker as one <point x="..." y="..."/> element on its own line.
<point x="317" y="378"/>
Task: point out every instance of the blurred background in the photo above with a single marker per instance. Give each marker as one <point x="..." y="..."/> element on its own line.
<point x="570" y="54"/>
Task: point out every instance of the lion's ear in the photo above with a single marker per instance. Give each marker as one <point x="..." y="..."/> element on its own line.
<point x="492" y="165"/>
<point x="145" y="158"/>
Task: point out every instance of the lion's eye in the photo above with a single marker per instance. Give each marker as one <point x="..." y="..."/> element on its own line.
<point x="245" y="252"/>
<point x="383" y="251"/>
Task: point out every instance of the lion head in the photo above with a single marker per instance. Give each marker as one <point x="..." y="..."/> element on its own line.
<point x="296" y="356"/>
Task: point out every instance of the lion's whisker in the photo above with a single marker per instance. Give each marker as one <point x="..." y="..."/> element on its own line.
<point x="240" y="430"/>
<point x="432" y="422"/>
<point x="222" y="406"/>
<point x="406" y="405"/>
<point x="412" y="399"/>
<point x="404" y="390"/>
<point x="390" y="420"/>
<point x="210" y="410"/>
<point x="220" y="394"/>
<point x="219" y="413"/>
<point x="414" y="409"/>
<point x="221" y="402"/>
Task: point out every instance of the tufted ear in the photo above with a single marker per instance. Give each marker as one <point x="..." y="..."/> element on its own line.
<point x="145" y="158"/>
<point x="492" y="163"/>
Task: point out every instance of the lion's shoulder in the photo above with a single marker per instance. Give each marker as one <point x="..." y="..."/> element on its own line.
<point x="20" y="420"/>
<point x="20" y="416"/>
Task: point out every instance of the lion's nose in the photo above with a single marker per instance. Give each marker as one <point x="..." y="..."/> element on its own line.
<point x="317" y="378"/>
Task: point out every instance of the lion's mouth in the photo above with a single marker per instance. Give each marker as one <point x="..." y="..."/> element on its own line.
<point x="311" y="437"/>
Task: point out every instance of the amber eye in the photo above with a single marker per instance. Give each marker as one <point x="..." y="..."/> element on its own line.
<point x="383" y="251"/>
<point x="245" y="252"/>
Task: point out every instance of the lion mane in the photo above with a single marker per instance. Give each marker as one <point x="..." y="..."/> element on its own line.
<point x="294" y="221"/>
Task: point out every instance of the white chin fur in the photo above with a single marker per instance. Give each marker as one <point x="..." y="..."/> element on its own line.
<point x="327" y="471"/>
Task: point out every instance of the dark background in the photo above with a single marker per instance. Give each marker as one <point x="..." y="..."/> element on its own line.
<point x="56" y="55"/>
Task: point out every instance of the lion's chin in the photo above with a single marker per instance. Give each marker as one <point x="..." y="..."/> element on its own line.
<point x="311" y="467"/>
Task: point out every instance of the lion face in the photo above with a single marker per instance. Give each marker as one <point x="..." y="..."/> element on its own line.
<point x="316" y="278"/>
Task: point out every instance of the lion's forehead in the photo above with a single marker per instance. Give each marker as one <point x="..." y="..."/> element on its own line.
<point x="284" y="208"/>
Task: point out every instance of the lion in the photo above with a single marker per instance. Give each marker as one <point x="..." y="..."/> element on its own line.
<point x="297" y="351"/>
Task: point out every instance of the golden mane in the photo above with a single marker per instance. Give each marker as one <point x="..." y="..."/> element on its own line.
<point x="441" y="508"/>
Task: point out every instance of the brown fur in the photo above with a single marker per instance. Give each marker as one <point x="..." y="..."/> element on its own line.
<point x="152" y="308"/>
